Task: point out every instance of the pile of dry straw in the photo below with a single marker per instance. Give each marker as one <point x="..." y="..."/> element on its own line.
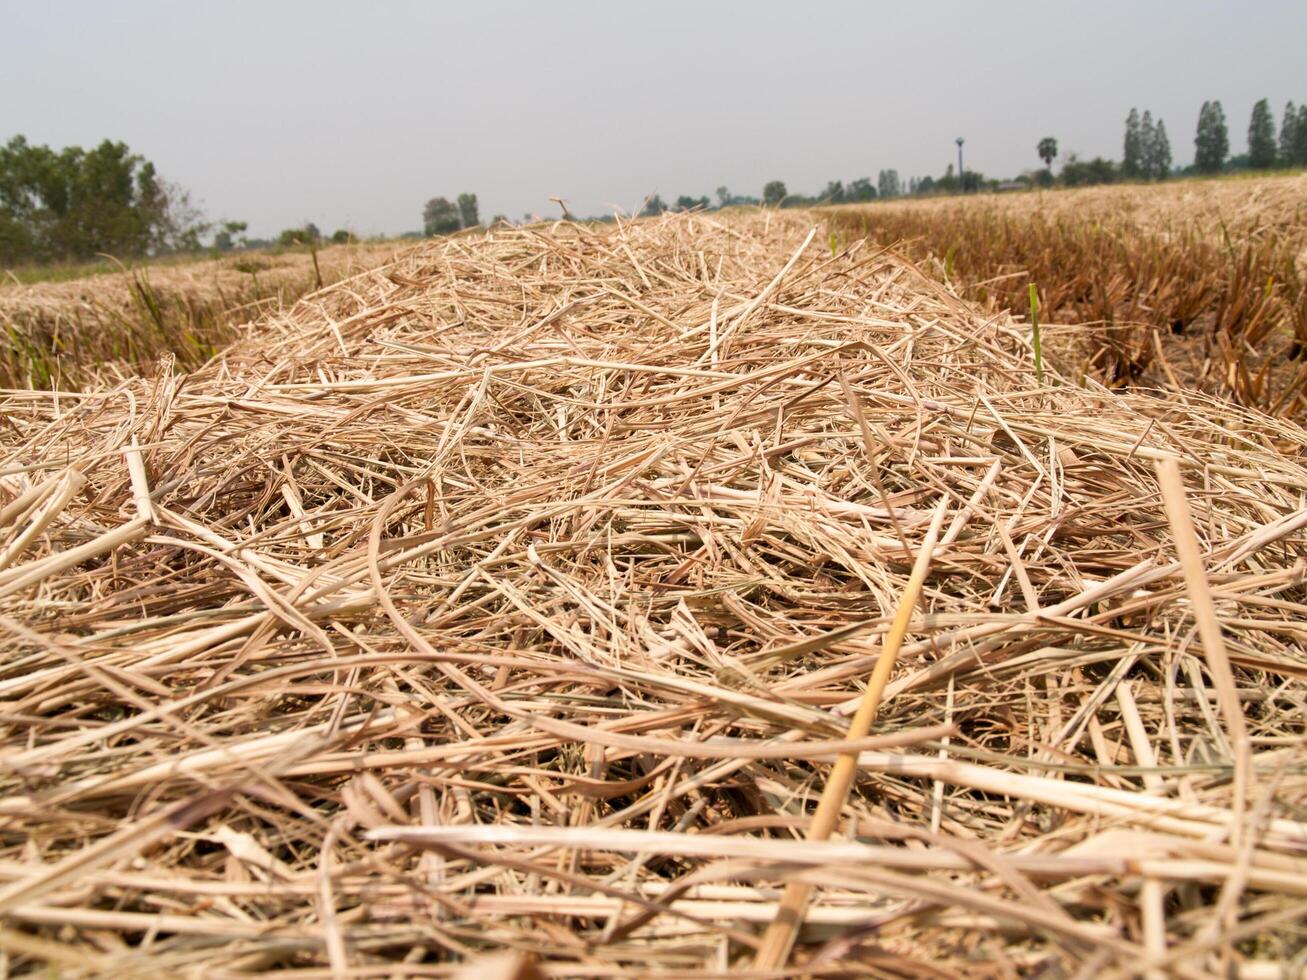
<point x="517" y="594"/>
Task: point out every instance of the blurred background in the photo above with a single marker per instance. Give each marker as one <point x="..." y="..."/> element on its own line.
<point x="352" y="116"/>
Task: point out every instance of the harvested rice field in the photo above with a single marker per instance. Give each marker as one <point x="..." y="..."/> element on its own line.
<point x="103" y="328"/>
<point x="1196" y="284"/>
<point x="690" y="596"/>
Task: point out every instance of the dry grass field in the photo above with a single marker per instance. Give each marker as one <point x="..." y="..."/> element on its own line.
<point x="69" y="332"/>
<point x="694" y="595"/>
<point x="1189" y="284"/>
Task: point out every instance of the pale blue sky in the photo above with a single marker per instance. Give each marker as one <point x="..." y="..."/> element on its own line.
<point x="352" y="114"/>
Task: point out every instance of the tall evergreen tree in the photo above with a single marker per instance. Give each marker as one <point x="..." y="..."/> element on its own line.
<point x="1288" y="128"/>
<point x="1298" y="152"/>
<point x="1159" y="153"/>
<point x="1132" y="159"/>
<point x="1212" y="141"/>
<point x="1147" y="136"/>
<point x="1261" y="137"/>
<point x="467" y="210"/>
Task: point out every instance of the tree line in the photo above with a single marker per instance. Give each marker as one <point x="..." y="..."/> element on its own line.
<point x="442" y="217"/>
<point x="775" y="194"/>
<point x="75" y="204"/>
<point x="1146" y="155"/>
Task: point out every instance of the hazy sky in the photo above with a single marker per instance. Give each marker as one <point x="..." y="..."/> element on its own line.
<point x="354" y="114"/>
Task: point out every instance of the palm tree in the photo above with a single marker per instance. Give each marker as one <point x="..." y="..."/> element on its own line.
<point x="1047" y="150"/>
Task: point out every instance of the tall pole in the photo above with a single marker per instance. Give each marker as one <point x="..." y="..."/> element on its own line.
<point x="961" y="185"/>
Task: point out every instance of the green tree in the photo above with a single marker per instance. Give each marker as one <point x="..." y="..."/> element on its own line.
<point x="1261" y="137"/>
<point x="1288" y="133"/>
<point x="307" y="235"/>
<point x="32" y="195"/>
<point x="341" y="236"/>
<point x="773" y="193"/>
<point x="1147" y="137"/>
<point x="225" y="239"/>
<point x="653" y="206"/>
<point x="834" y="192"/>
<point x="1300" y="137"/>
<point x="440" y="217"/>
<point x="861" y="189"/>
<point x="1293" y="136"/>
<point x="467" y="211"/>
<point x="887" y="184"/>
<point x="1212" y="141"/>
<point x="1132" y="159"/>
<point x="74" y="203"/>
<point x="1080" y="173"/>
<point x="1157" y="165"/>
<point x="1047" y="150"/>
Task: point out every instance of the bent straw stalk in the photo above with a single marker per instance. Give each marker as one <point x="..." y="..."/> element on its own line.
<point x="780" y="935"/>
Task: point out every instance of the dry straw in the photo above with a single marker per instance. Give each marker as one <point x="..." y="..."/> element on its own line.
<point x="515" y="597"/>
<point x="1187" y="284"/>
<point x="105" y="327"/>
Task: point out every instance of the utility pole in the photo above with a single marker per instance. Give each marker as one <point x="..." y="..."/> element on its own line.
<point x="961" y="184"/>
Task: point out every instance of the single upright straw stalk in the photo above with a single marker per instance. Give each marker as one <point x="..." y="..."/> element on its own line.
<point x="778" y="941"/>
<point x="1034" y="333"/>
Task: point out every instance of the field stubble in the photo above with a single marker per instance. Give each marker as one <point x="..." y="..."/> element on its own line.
<point x="1190" y="284"/>
<point x="70" y="333"/>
